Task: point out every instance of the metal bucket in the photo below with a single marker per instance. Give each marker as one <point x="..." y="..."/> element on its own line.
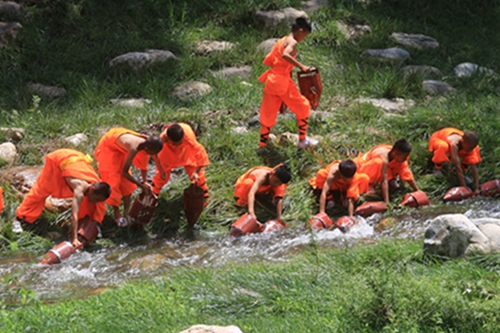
<point x="320" y="221"/>
<point x="143" y="209"/>
<point x="458" y="193"/>
<point x="310" y="86"/>
<point x="415" y="199"/>
<point x="194" y="202"/>
<point x="245" y="225"/>
<point x="370" y="208"/>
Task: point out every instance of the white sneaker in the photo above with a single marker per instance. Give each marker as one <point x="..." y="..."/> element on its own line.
<point x="308" y="142"/>
<point x="16" y="227"/>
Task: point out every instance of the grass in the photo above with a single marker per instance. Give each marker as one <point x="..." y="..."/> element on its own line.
<point x="388" y="287"/>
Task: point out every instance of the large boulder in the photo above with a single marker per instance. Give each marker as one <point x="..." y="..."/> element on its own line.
<point x="9" y="9"/>
<point x="467" y="69"/>
<point x="434" y="87"/>
<point x="426" y="72"/>
<point x="209" y="46"/>
<point x="233" y="72"/>
<point x="192" y="89"/>
<point x="455" y="235"/>
<point x="392" y="54"/>
<point x="8" y="153"/>
<point x="46" y="91"/>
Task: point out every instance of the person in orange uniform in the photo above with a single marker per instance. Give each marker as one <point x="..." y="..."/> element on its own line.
<point x="339" y="176"/>
<point x="280" y="88"/>
<point x="180" y="148"/>
<point x="67" y="173"/>
<point x="463" y="149"/>
<point x="262" y="180"/>
<point x="384" y="163"/>
<point x="116" y="151"/>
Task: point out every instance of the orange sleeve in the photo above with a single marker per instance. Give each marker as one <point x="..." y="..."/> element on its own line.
<point x="141" y="160"/>
<point x="279" y="191"/>
<point x="470" y="158"/>
<point x="402" y="170"/>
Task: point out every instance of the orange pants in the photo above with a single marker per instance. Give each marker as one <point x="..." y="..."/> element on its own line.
<point x="158" y="182"/>
<point x="271" y="104"/>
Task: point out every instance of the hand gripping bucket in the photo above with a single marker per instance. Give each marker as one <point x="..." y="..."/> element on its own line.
<point x="143" y="209"/>
<point x="320" y="221"/>
<point x="458" y="193"/>
<point x="370" y="208"/>
<point x="415" y="199"/>
<point x="58" y="253"/>
<point x="310" y="86"/>
<point x="273" y="225"/>
<point x="194" y="202"/>
<point x="491" y="188"/>
<point x="245" y="225"/>
<point x="345" y="223"/>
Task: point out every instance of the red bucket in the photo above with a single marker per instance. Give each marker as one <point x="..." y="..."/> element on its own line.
<point x="245" y="225"/>
<point x="194" y="202"/>
<point x="458" y="193"/>
<point x="58" y="253"/>
<point x="143" y="209"/>
<point x="87" y="230"/>
<point x="272" y="225"/>
<point x="320" y="221"/>
<point x="370" y="208"/>
<point x="345" y="223"/>
<point x="491" y="188"/>
<point x="415" y="199"/>
<point x="310" y="86"/>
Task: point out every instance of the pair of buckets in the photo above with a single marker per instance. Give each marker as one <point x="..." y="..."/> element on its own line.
<point x="246" y="225"/>
<point x="323" y="221"/>
<point x="87" y="232"/>
<point x="414" y="199"/>
<point x="459" y="193"/>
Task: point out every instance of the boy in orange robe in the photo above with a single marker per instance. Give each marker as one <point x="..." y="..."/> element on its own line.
<point x="262" y="180"/>
<point x="116" y="151"/>
<point x="461" y="147"/>
<point x="67" y="173"/>
<point x="280" y="87"/>
<point x="180" y="148"/>
<point x="384" y="163"/>
<point x="339" y="176"/>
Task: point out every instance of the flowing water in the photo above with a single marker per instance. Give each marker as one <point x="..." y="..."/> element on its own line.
<point x="90" y="272"/>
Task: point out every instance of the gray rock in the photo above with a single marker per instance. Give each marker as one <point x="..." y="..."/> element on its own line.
<point x="139" y="60"/>
<point x="21" y="178"/>
<point x="391" y="54"/>
<point x="192" y="89"/>
<point x="46" y="91"/>
<point x="454" y="235"/>
<point x="434" y="87"/>
<point x="8" y="153"/>
<point x="468" y="69"/>
<point x="426" y="72"/>
<point x="13" y="133"/>
<point x="313" y="5"/>
<point x="267" y="45"/>
<point x="232" y="72"/>
<point x="394" y="106"/>
<point x="274" y="17"/>
<point x="415" y="40"/>
<point x="352" y="30"/>
<point x="76" y="139"/>
<point x="208" y="46"/>
<point x="10" y="9"/>
<point x="131" y="102"/>
<point x="8" y="32"/>
<point x="212" y="329"/>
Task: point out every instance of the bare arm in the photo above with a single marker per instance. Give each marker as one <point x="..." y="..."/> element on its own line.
<point x="196" y="175"/>
<point x="288" y="53"/>
<point x="458" y="166"/>
<point x="475" y="175"/>
<point x="326" y="187"/>
<point x="125" y="171"/>
<point x="279" y="208"/>
<point x="413" y="185"/>
<point x="78" y="187"/>
<point x="385" y="182"/>
<point x="251" y="194"/>
<point x="350" y="207"/>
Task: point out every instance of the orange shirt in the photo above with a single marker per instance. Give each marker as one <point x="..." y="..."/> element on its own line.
<point x="189" y="153"/>
<point x="352" y="188"/>
<point x="111" y="156"/>
<point x="278" y="78"/>
<point x="372" y="165"/>
<point x="278" y="192"/>
<point x="442" y="135"/>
